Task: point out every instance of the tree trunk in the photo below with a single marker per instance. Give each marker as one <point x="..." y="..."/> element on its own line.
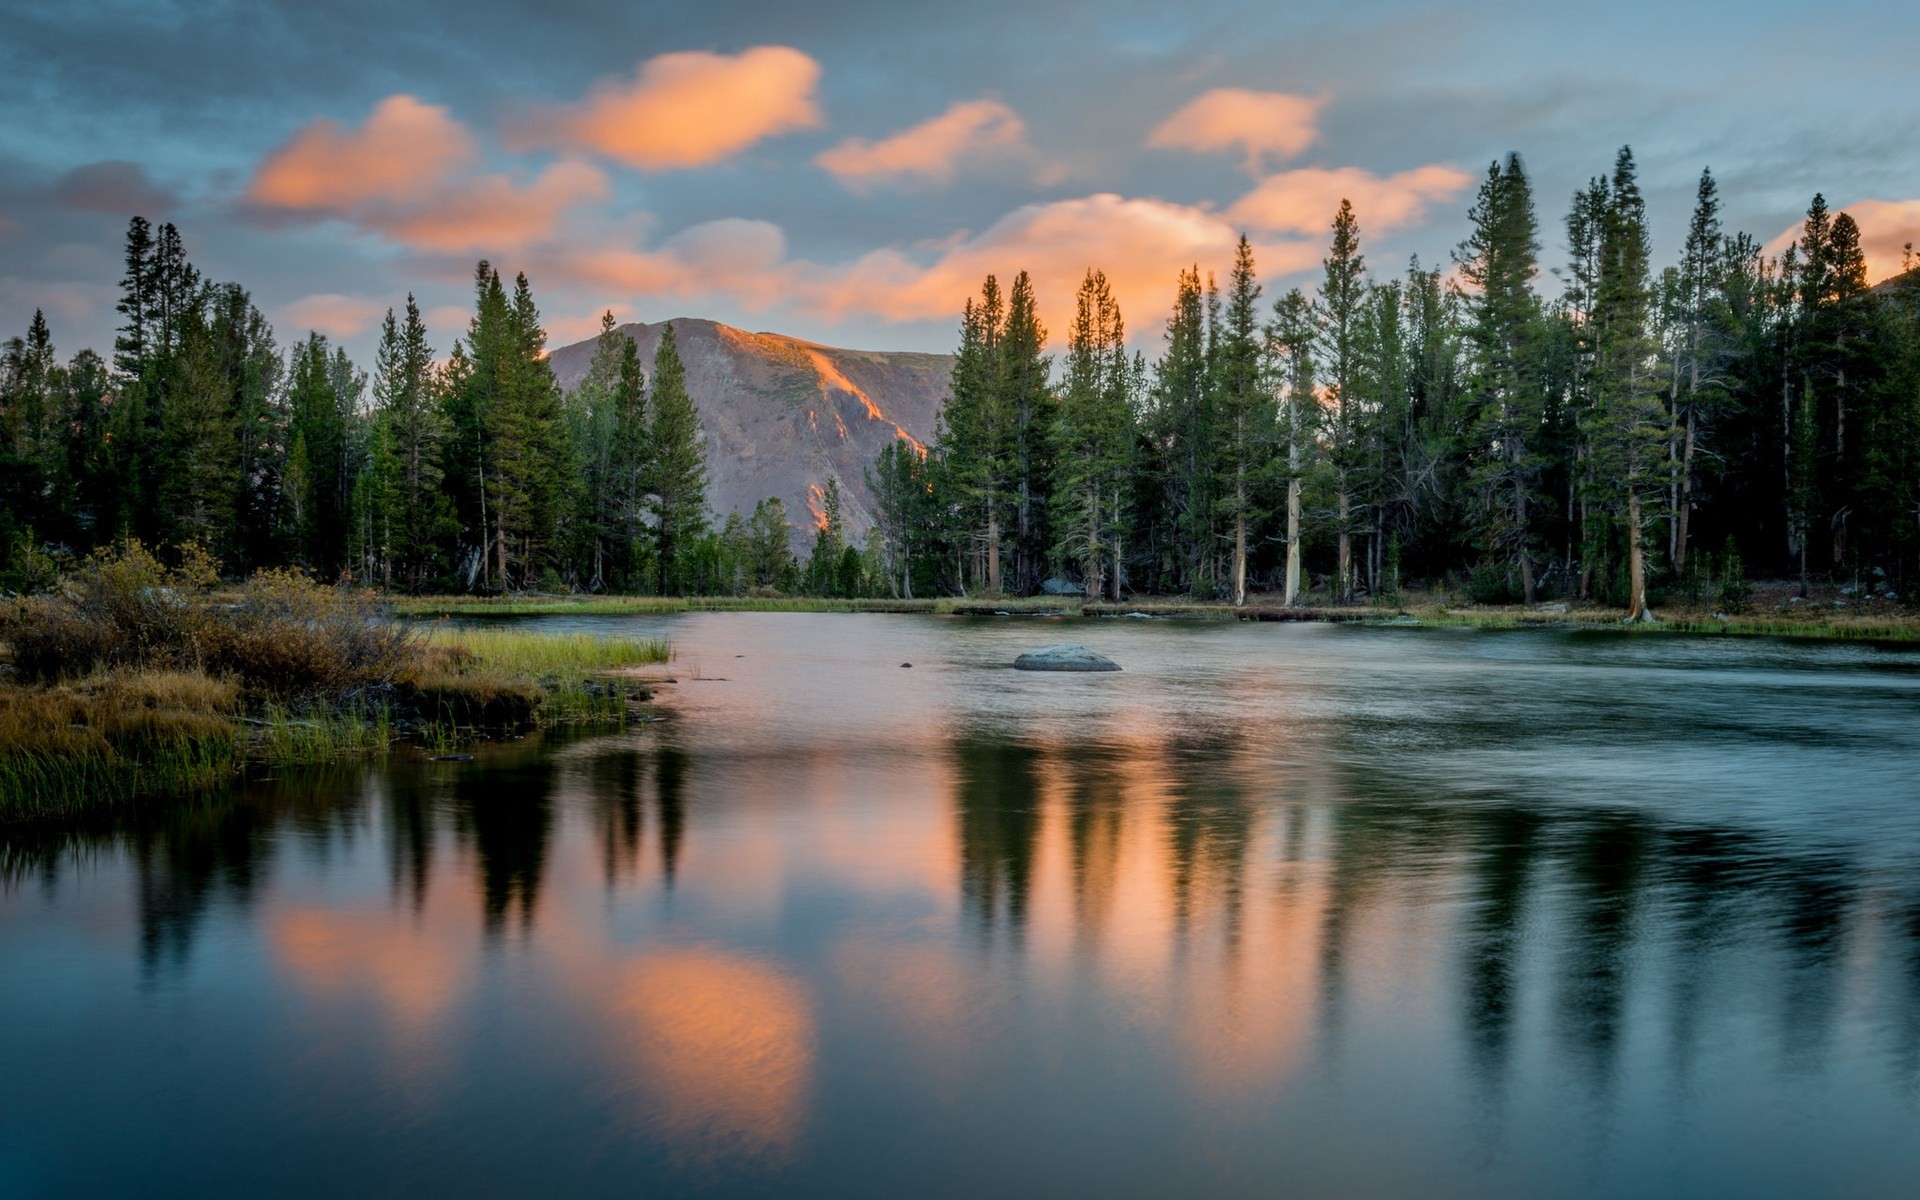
<point x="1293" y="543"/>
<point x="1292" y="596"/>
<point x="993" y="551"/>
<point x="1240" y="535"/>
<point x="1526" y="554"/>
<point x="1636" y="564"/>
<point x="1682" y="517"/>
<point x="1345" y="587"/>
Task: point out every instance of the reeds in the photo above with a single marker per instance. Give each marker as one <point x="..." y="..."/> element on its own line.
<point x="112" y="736"/>
<point x="137" y="679"/>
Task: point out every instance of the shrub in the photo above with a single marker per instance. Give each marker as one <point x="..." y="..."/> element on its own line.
<point x="1736" y="593"/>
<point x="1492" y="583"/>
<point x="284" y="636"/>
<point x="288" y="636"/>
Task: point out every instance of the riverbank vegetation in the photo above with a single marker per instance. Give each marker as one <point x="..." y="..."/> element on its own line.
<point x="135" y="676"/>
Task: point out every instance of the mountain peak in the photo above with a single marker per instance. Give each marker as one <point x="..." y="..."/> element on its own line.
<point x="782" y="415"/>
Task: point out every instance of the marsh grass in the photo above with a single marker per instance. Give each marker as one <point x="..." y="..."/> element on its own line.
<point x="531" y="654"/>
<point x="109" y="737"/>
<point x="284" y="737"/>
<point x="136" y="678"/>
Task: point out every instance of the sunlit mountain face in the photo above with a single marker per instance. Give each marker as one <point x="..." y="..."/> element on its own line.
<point x="781" y="416"/>
<point x="847" y="178"/>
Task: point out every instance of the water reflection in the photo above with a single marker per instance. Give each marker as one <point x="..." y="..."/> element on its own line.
<point x="1242" y="942"/>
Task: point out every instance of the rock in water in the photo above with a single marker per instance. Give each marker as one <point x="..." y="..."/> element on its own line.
<point x="1067" y="656"/>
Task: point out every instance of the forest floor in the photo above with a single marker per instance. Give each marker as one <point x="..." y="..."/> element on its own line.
<point x="1775" y="609"/>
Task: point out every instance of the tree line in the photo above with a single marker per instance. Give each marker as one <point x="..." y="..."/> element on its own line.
<point x="468" y="471"/>
<point x="1629" y="431"/>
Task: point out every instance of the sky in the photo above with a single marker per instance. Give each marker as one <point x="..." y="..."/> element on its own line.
<point x="847" y="172"/>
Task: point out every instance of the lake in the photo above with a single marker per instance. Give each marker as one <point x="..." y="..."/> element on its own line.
<point x="1302" y="910"/>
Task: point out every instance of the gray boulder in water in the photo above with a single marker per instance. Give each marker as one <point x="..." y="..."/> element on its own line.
<point x="1067" y="656"/>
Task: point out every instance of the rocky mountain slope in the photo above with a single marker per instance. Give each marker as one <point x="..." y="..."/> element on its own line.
<point x="782" y="415"/>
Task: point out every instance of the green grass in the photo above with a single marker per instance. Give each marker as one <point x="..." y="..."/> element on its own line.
<point x="563" y="656"/>
<point x="503" y="678"/>
<point x="284" y="738"/>
<point x="36" y="784"/>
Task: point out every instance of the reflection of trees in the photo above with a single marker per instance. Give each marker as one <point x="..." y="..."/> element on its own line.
<point x="670" y="785"/>
<point x="1096" y="804"/>
<point x="185" y="857"/>
<point x="613" y="783"/>
<point x="997" y="802"/>
<point x="409" y="813"/>
<point x="507" y="811"/>
<point x="1609" y="873"/>
<point x="1210" y="830"/>
<point x="1505" y="845"/>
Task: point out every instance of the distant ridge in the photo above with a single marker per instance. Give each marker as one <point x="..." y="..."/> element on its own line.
<point x="783" y="415"/>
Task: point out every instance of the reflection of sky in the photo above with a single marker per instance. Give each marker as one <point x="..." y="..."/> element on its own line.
<point x="845" y="171"/>
<point x="1169" y="936"/>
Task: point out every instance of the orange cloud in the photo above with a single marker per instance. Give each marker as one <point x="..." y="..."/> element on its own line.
<point x="1257" y="123"/>
<point x="1306" y="200"/>
<point x="932" y="150"/>
<point x="406" y="175"/>
<point x="1141" y="244"/>
<point x="333" y="314"/>
<point x="686" y="109"/>
<point x="1886" y="229"/>
<point x="403" y="151"/>
<point x="489" y="213"/>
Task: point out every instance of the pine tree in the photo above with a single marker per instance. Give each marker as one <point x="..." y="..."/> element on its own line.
<point x="1184" y="422"/>
<point x="1290" y="344"/>
<point x="1340" y="313"/>
<point x="770" y="537"/>
<point x="35" y="498"/>
<point x="1498" y="262"/>
<point x="199" y="443"/>
<point x="412" y="508"/>
<point x="1094" y="438"/>
<point x="677" y="475"/>
<point x="899" y="483"/>
<point x="1246" y="414"/>
<point x="829" y="540"/>
<point x="975" y="442"/>
<point x="591" y="409"/>
<point x="528" y="488"/>
<point x="316" y="476"/>
<point x="1701" y="338"/>
<point x="1627" y="428"/>
<point x="1028" y="401"/>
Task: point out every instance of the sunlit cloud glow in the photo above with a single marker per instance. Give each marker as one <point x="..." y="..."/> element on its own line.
<point x="403" y="151"/>
<point x="1305" y="201"/>
<point x="1887" y="228"/>
<point x="931" y="151"/>
<point x="1261" y="125"/>
<point x="686" y="109"/>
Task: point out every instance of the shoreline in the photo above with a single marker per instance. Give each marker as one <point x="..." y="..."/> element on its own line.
<point x="1880" y="622"/>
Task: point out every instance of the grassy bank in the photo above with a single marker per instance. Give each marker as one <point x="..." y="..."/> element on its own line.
<point x="139" y="679"/>
<point x="1777" y="611"/>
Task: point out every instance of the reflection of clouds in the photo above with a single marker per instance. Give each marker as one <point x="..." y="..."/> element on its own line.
<point x="725" y="1046"/>
<point x="415" y="971"/>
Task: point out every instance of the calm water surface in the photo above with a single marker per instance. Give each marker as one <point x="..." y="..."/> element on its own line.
<point x="1279" y="910"/>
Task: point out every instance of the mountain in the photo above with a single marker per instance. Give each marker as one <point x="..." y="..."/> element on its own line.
<point x="781" y="415"/>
